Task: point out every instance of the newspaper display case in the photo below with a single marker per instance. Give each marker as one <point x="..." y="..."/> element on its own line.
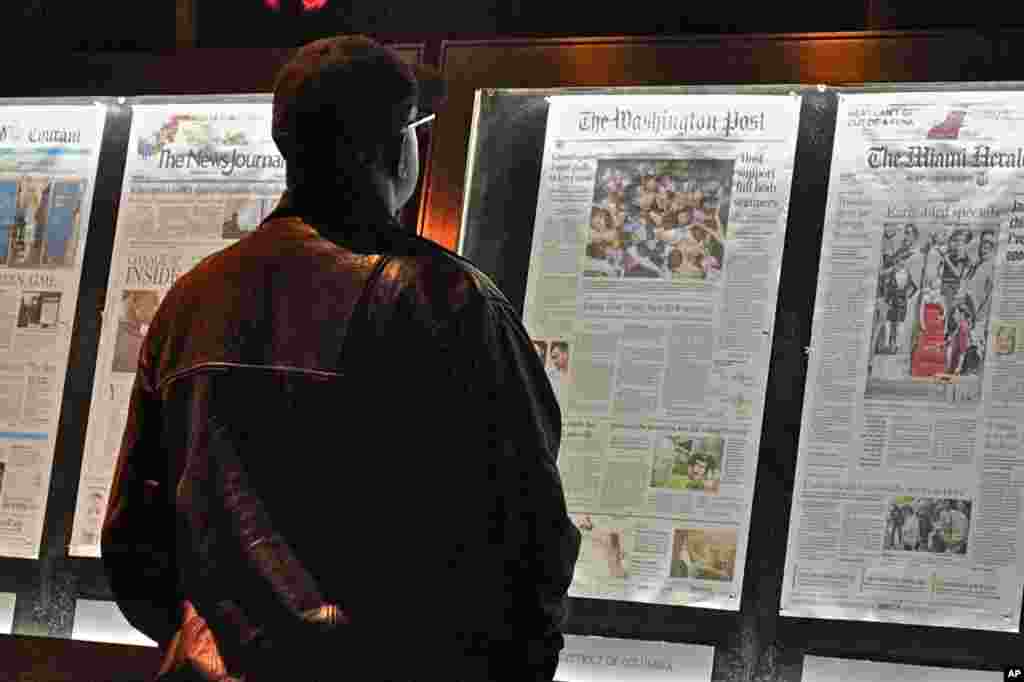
<point x="467" y="194"/>
<point x="640" y="230"/>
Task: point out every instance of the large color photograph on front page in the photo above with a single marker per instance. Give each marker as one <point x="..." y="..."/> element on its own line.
<point x="663" y="218"/>
<point x="932" y="310"/>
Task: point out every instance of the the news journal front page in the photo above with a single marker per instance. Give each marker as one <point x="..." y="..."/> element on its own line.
<point x="911" y="455"/>
<point x="48" y="158"/>
<point x="198" y="177"/>
<point x="651" y="296"/>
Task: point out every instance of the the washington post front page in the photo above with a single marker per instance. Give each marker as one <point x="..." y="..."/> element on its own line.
<point x="651" y="296"/>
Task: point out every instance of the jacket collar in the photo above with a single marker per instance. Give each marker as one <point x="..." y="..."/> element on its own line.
<point x="333" y="217"/>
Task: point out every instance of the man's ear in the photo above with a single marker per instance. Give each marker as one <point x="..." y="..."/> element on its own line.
<point x="401" y="168"/>
<point x="384" y="157"/>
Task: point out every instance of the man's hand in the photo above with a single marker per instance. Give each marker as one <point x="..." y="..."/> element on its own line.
<point x="196" y="648"/>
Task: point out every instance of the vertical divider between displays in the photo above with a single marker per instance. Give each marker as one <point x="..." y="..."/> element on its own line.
<point x="787" y="373"/>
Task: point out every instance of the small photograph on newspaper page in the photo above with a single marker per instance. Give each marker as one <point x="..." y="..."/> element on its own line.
<point x="691" y="463"/>
<point x="932" y="308"/>
<point x="245" y="215"/>
<point x="703" y="554"/>
<point x="137" y="310"/>
<point x="39" y="310"/>
<point x="557" y="367"/>
<point x="928" y="524"/>
<point x="1007" y="337"/>
<point x="43" y="229"/>
<point x="554" y="355"/>
<point x="665" y="219"/>
<point x="605" y="550"/>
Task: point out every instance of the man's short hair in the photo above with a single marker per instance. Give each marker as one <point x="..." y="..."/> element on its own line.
<point x="349" y="88"/>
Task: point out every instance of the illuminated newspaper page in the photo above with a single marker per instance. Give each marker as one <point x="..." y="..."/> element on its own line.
<point x="48" y="158"/>
<point x="905" y="508"/>
<point x="198" y="177"/>
<point x="651" y="296"/>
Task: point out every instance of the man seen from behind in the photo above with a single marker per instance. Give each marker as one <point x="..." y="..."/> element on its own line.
<point x="340" y="457"/>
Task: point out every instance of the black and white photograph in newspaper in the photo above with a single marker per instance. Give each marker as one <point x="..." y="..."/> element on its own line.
<point x="928" y="524"/>
<point x="659" y="218"/>
<point x="242" y="216"/>
<point x="931" y="315"/>
<point x="39" y="310"/>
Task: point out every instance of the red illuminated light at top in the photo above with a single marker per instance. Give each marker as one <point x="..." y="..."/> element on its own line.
<point x="313" y="5"/>
<point x="307" y="5"/>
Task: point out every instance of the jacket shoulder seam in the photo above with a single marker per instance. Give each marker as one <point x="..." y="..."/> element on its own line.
<point x="226" y="366"/>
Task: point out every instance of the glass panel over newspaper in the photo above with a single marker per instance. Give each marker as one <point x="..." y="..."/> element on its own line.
<point x="905" y="508"/>
<point x="48" y="158"/>
<point x="650" y="296"/>
<point x="199" y="176"/>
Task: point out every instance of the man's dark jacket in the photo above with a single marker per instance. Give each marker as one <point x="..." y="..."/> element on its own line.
<point x="293" y="441"/>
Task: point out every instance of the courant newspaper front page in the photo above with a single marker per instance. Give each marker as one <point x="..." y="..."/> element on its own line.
<point x="651" y="298"/>
<point x="48" y="159"/>
<point x="910" y="458"/>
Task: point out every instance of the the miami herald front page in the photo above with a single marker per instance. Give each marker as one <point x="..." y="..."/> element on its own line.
<point x="905" y="508"/>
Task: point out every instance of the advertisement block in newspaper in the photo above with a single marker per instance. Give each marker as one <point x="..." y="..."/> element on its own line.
<point x="48" y="159"/>
<point x="198" y="177"/>
<point x="651" y="298"/>
<point x="906" y="500"/>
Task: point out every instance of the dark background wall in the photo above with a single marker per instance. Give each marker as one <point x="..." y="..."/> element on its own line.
<point x="61" y="25"/>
